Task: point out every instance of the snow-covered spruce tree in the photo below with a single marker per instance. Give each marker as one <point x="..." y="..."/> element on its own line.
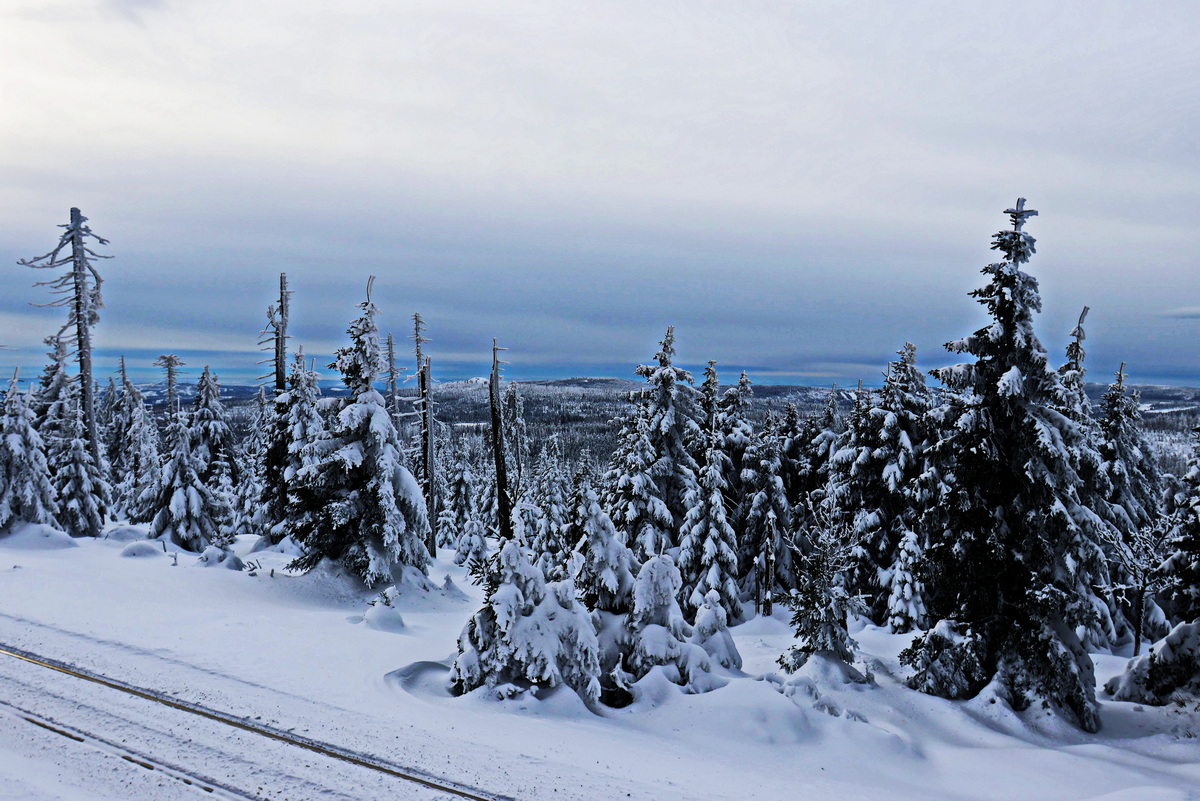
<point x="794" y="432"/>
<point x="26" y="492"/>
<point x="304" y="428"/>
<point x="632" y="497"/>
<point x="471" y="547"/>
<point x="78" y="290"/>
<point x="358" y="504"/>
<point x="658" y="635"/>
<point x="766" y="565"/>
<point x="107" y="412"/>
<point x="669" y="403"/>
<point x="821" y="603"/>
<point x="653" y="472"/>
<point x="79" y="483"/>
<point x="708" y="558"/>
<point x="550" y="548"/>
<point x="299" y="429"/>
<point x="461" y="499"/>
<point x="851" y="488"/>
<point x="818" y="451"/>
<point x="1182" y="566"/>
<point x="53" y="416"/>
<point x="213" y="443"/>
<point x="873" y="486"/>
<point x="249" y="515"/>
<point x="709" y="403"/>
<point x="1170" y="672"/>
<point x="1127" y="459"/>
<point x="906" y="592"/>
<point x="605" y="579"/>
<point x="1096" y="513"/>
<point x="138" y="464"/>
<point x="711" y="632"/>
<point x="1006" y="562"/>
<point x="528" y="634"/>
<point x="737" y="438"/>
<point x="188" y="513"/>
<point x="607" y="567"/>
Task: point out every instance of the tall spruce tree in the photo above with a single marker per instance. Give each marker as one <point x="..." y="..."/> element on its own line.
<point x="1127" y="459"/>
<point x="79" y="483"/>
<point x="213" y="443"/>
<point x="549" y="545"/>
<point x="249" y="513"/>
<point x="737" y="439"/>
<point x="358" y="504"/>
<point x="1182" y="566"/>
<point x="766" y="561"/>
<point x="874" y="484"/>
<point x="462" y="498"/>
<point x="653" y="472"/>
<point x="1097" y="515"/>
<point x="138" y="463"/>
<point x="51" y="404"/>
<point x="187" y="512"/>
<point x="708" y="547"/>
<point x="26" y="492"/>
<point x="1007" y="561"/>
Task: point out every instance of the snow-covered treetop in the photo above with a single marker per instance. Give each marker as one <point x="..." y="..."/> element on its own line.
<point x="1016" y="245"/>
<point x="360" y="363"/>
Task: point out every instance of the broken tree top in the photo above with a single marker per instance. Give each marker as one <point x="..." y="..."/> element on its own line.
<point x="1019" y="213"/>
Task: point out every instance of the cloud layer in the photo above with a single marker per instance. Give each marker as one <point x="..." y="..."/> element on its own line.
<point x="799" y="189"/>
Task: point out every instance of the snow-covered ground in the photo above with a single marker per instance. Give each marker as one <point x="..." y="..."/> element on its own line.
<point x="309" y="654"/>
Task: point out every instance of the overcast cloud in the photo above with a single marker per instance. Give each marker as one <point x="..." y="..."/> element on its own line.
<point x="798" y="187"/>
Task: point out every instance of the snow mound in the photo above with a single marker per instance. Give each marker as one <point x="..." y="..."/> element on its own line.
<point x="141" y="549"/>
<point x="382" y="614"/>
<point x="215" y="556"/>
<point x="422" y="679"/>
<point x="36" y="537"/>
<point x="287" y="546"/>
<point x="1170" y="671"/>
<point x="451" y="590"/>
<point x="123" y="532"/>
<point x="414" y="590"/>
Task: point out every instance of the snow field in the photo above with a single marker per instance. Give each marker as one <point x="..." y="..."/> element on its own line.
<point x="310" y="653"/>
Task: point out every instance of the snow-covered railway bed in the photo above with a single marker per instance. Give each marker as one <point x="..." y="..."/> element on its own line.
<point x="209" y="751"/>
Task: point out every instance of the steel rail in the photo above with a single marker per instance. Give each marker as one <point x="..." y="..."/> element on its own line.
<point x="316" y="746"/>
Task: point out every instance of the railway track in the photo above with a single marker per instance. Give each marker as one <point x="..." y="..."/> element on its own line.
<point x="409" y="774"/>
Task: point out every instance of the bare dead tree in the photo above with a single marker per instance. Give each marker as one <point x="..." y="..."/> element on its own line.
<point x="77" y="290"/>
<point x="171" y="364"/>
<point x="503" y="498"/>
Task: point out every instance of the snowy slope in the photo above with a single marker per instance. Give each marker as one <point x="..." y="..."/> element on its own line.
<point x="308" y="653"/>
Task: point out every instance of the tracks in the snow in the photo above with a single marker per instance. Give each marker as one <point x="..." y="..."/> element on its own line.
<point x="215" y="788"/>
<point x="329" y="750"/>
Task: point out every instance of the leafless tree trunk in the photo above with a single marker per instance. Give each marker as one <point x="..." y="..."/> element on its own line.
<point x="503" y="499"/>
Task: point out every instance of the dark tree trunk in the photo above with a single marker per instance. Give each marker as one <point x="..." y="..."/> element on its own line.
<point x="83" y="334"/>
<point x="503" y="499"/>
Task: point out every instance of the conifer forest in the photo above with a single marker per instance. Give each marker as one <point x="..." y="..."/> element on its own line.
<point x="989" y="522"/>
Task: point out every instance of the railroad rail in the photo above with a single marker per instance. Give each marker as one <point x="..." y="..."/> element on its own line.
<point x="405" y="773"/>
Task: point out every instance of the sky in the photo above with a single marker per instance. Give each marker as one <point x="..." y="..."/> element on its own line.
<point x="798" y="188"/>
